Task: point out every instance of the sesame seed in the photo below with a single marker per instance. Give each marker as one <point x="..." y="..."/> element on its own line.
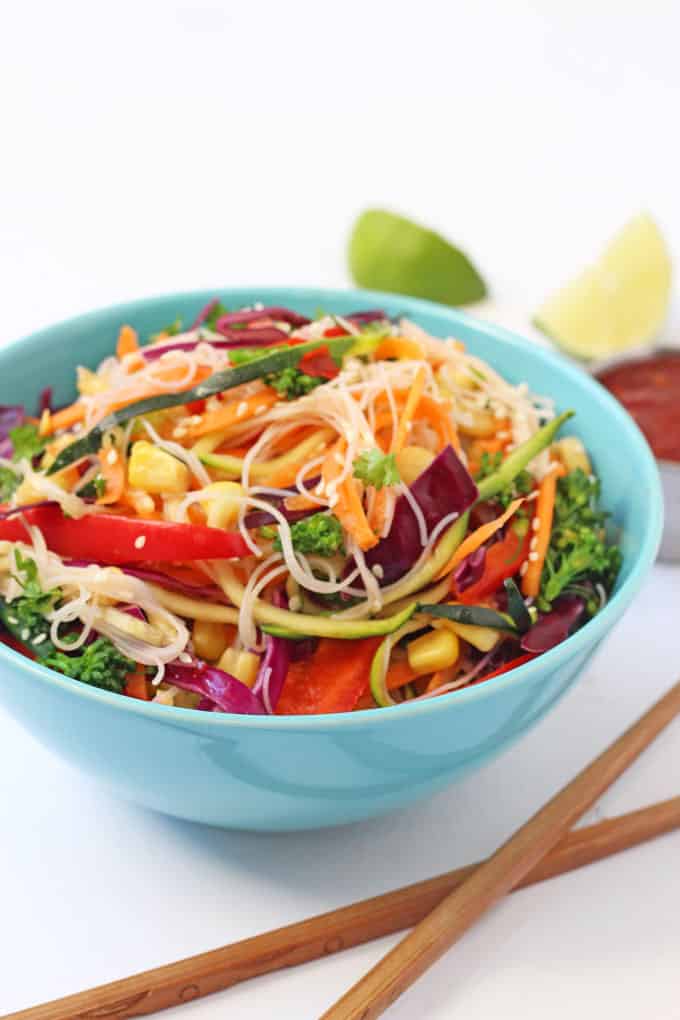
<point x="195" y="419"/>
<point x="339" y="459"/>
<point x="179" y="432"/>
<point x="39" y="640"/>
<point x="260" y="409"/>
<point x="112" y="456"/>
<point x="146" y="504"/>
<point x="25" y="634"/>
<point x="523" y="569"/>
<point x="140" y="541"/>
<point x="536" y="523"/>
<point x="185" y="657"/>
<point x="241" y="409"/>
<point x="503" y="434"/>
<point x="533" y="556"/>
<point x="377" y="571"/>
<point x="295" y="603"/>
<point x="13" y="620"/>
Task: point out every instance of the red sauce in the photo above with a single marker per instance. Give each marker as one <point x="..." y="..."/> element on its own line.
<point x="649" y="389"/>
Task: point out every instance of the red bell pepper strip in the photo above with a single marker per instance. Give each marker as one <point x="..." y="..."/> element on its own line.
<point x="110" y="539"/>
<point x="503" y="560"/>
<point x="319" y="364"/>
<point x="331" y="680"/>
<point x="335" y="331"/>
<point x="513" y="664"/>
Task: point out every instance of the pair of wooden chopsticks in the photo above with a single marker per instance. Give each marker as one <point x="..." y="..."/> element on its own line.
<point x="441" y="909"/>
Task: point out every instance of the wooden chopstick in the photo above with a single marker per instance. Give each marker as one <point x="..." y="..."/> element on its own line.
<point x="504" y="870"/>
<point x="339" y="929"/>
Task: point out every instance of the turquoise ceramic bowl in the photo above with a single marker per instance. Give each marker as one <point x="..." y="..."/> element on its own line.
<point x="249" y="772"/>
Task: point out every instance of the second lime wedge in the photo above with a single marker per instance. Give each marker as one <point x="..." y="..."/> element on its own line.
<point x="619" y="302"/>
<point x="389" y="252"/>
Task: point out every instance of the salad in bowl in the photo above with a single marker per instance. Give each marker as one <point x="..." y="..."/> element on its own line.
<point x="258" y="512"/>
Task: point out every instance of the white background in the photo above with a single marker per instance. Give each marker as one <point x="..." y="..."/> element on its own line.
<point x="148" y="147"/>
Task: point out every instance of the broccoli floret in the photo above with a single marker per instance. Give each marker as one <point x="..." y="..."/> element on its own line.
<point x="292" y="383"/>
<point x="376" y="468"/>
<point x="320" y="534"/>
<point x="26" y="442"/>
<point x="521" y="485"/>
<point x="99" y="664"/>
<point x="25" y="617"/>
<point x="9" y="483"/>
<point x="578" y="549"/>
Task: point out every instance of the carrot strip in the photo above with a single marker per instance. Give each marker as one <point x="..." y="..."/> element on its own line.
<point x="234" y="412"/>
<point x="398" y="347"/>
<point x="113" y="470"/>
<point x="135" y="686"/>
<point x="545" y="508"/>
<point x="348" y="509"/>
<point x="399" y="674"/>
<point x="441" y="677"/>
<point x="127" y="342"/>
<point x="479" y="537"/>
<point x="410" y="407"/>
<point x="63" y="419"/>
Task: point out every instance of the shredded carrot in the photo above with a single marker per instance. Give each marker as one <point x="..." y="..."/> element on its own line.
<point x="348" y="509"/>
<point x="112" y="467"/>
<point x="234" y="412"/>
<point x="545" y="508"/>
<point x="410" y="407"/>
<point x="66" y="418"/>
<point x="136" y="686"/>
<point x="479" y="537"/>
<point x="441" y="677"/>
<point x="398" y="347"/>
<point x="400" y="673"/>
<point x="128" y="342"/>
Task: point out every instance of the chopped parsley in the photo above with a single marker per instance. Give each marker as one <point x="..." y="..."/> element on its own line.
<point x="376" y="468"/>
<point x="26" y="442"/>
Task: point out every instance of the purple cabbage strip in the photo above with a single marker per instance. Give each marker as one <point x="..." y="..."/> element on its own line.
<point x="223" y="689"/>
<point x="205" y="312"/>
<point x="271" y="312"/>
<point x="260" y="518"/>
<point x="275" y="662"/>
<point x="234" y="338"/>
<point x="363" y="318"/>
<point x="470" y="570"/>
<point x="45" y="401"/>
<point x="555" y="626"/>
<point x="11" y="415"/>
<point x="444" y="487"/>
<point x="205" y="592"/>
<point x="4" y="514"/>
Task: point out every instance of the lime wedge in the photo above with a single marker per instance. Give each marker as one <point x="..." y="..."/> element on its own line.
<point x="619" y="302"/>
<point x="388" y="252"/>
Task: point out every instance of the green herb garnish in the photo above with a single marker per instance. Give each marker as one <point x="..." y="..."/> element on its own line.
<point x="376" y="468"/>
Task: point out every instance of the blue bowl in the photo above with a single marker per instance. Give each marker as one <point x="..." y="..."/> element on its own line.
<point x="253" y="772"/>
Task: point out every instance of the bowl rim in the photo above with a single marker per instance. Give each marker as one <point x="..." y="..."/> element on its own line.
<point x="589" y="634"/>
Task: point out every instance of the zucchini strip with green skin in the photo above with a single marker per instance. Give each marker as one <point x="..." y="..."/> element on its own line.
<point x="488" y="488"/>
<point x="381" y="661"/>
<point x="44" y="646"/>
<point x="473" y="616"/>
<point x="218" y="382"/>
<point x="284" y="623"/>
<point x="260" y="471"/>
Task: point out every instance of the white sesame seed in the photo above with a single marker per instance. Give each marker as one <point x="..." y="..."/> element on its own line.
<point x="523" y="569"/>
<point x="112" y="456"/>
<point x="377" y="571"/>
<point x="503" y="434"/>
<point x="533" y="556"/>
<point x="536" y="523"/>
<point x="195" y="419"/>
<point x="185" y="657"/>
<point x="179" y="432"/>
<point x="339" y="459"/>
<point x="13" y="620"/>
<point x="140" y="541"/>
<point x="25" y="634"/>
<point x="295" y="603"/>
<point x="260" y="409"/>
<point x="146" y="504"/>
<point x="241" y="409"/>
<point x="534" y="543"/>
<point x="39" y="640"/>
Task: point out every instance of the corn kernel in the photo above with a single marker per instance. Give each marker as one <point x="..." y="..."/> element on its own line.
<point x="435" y="650"/>
<point x="155" y="470"/>
<point x="572" y="453"/>
<point x="412" y="461"/>
<point x="222" y="504"/>
<point x="243" y="665"/>
<point x="210" y="639"/>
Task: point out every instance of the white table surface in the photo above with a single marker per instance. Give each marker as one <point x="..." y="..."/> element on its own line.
<point x="156" y="146"/>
